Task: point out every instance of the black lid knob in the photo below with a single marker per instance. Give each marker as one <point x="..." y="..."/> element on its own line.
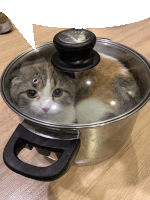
<point x="75" y="50"/>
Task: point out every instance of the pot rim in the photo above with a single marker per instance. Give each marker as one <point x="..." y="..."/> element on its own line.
<point x="75" y="126"/>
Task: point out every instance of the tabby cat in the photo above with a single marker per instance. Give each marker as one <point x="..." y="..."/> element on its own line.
<point x="105" y="91"/>
<point x="41" y="91"/>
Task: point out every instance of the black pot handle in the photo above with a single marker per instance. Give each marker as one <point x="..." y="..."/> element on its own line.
<point x="18" y="141"/>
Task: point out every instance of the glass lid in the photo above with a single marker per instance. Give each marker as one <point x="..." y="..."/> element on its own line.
<point x="68" y="82"/>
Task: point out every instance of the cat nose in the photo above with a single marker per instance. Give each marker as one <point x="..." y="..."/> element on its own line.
<point x="45" y="109"/>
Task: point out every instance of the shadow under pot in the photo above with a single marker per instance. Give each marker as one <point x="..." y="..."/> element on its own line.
<point x="77" y="96"/>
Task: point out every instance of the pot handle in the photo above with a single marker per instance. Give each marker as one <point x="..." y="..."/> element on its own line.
<point x="18" y="141"/>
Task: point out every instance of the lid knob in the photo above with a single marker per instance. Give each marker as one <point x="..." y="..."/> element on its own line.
<point x="75" y="50"/>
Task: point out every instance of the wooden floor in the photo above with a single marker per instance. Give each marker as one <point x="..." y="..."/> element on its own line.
<point x="126" y="175"/>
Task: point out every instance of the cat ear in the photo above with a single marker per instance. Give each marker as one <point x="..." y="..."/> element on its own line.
<point x="16" y="80"/>
<point x="45" y="64"/>
<point x="26" y="64"/>
<point x="40" y="60"/>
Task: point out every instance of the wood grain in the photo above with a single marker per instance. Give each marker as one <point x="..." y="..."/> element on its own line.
<point x="126" y="175"/>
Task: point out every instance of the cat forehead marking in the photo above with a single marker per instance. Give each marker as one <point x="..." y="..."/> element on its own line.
<point x="46" y="89"/>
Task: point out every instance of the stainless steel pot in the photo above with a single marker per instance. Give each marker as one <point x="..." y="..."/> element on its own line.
<point x="83" y="144"/>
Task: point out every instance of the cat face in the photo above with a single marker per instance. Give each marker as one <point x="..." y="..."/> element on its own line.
<point x="38" y="89"/>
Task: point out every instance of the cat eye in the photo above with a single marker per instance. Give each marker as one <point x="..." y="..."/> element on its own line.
<point x="58" y="92"/>
<point x="31" y="93"/>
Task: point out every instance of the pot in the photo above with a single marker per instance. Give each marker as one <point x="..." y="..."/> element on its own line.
<point x="82" y="142"/>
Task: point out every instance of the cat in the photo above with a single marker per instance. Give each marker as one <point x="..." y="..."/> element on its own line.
<point x="39" y="90"/>
<point x="104" y="92"/>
